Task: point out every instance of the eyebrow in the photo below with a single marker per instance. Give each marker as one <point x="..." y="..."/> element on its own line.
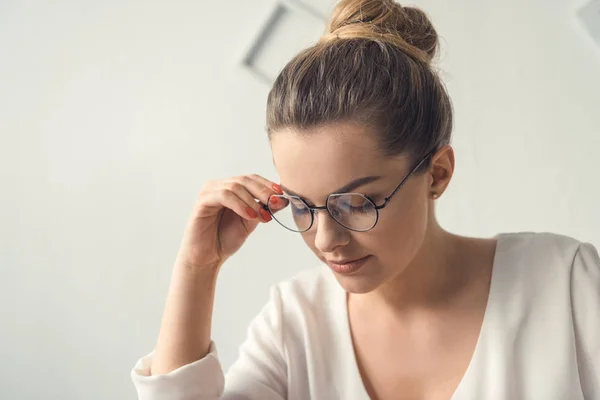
<point x="344" y="189"/>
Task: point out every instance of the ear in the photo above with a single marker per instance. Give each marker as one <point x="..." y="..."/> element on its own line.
<point x="442" y="168"/>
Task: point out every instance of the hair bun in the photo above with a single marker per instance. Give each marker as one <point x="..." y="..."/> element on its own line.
<point x="384" y="20"/>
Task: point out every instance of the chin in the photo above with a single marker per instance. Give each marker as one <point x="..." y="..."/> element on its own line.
<point x="358" y="283"/>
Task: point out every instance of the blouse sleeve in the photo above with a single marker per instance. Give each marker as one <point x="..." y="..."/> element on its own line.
<point x="585" y="289"/>
<point x="260" y="373"/>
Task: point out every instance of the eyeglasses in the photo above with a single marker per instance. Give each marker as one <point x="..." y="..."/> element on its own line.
<point x="354" y="211"/>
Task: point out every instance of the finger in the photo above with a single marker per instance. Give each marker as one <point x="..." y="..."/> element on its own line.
<point x="278" y="203"/>
<point x="246" y="194"/>
<point x="224" y="197"/>
<point x="275" y="203"/>
<point x="267" y="183"/>
<point x="260" y="189"/>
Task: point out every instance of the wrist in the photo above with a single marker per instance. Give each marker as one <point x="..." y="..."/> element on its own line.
<point x="206" y="273"/>
<point x="197" y="267"/>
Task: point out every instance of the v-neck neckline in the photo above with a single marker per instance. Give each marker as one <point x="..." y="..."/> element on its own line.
<point x="358" y="389"/>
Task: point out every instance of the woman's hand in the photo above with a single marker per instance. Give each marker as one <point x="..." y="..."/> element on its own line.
<point x="226" y="212"/>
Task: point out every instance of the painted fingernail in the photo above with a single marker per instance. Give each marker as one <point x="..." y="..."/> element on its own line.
<point x="251" y="213"/>
<point x="274" y="200"/>
<point x="265" y="214"/>
<point x="277" y="188"/>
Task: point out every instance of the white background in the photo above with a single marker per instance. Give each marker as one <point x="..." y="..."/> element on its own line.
<point x="113" y="113"/>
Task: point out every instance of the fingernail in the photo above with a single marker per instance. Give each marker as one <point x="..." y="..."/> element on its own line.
<point x="277" y="188"/>
<point x="265" y="214"/>
<point x="251" y="213"/>
<point x="274" y="200"/>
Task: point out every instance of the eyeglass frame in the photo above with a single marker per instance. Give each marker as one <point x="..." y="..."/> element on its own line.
<point x="376" y="207"/>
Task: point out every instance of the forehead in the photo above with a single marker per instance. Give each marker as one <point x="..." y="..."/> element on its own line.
<point x="318" y="161"/>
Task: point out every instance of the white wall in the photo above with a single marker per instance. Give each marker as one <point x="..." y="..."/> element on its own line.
<point x="113" y="113"/>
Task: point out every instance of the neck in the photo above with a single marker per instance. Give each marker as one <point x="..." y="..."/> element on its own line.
<point x="430" y="281"/>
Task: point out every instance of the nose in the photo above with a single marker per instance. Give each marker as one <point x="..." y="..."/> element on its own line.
<point x="329" y="234"/>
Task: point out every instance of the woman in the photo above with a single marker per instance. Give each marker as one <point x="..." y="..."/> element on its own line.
<point x="360" y="127"/>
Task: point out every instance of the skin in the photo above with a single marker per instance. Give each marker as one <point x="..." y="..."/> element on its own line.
<point x="415" y="308"/>
<point x="402" y="225"/>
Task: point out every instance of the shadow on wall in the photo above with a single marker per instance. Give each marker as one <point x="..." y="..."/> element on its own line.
<point x="590" y="17"/>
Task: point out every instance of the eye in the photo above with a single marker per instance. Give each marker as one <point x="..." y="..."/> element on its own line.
<point x="299" y="208"/>
<point x="361" y="209"/>
<point x="355" y="204"/>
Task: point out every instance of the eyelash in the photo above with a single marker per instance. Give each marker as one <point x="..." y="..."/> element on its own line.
<point x="376" y="198"/>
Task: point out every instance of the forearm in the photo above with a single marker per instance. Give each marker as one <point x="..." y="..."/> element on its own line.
<point x="185" y="333"/>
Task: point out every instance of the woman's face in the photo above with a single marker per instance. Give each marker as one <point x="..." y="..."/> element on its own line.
<point x="316" y="163"/>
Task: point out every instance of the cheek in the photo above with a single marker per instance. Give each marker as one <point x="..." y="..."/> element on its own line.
<point x="397" y="236"/>
<point x="400" y="230"/>
<point x="309" y="239"/>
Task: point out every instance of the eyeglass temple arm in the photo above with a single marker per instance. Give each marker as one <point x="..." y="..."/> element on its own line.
<point x="387" y="199"/>
<point x="416" y="167"/>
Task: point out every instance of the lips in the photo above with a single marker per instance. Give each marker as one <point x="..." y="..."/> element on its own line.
<point x="347" y="266"/>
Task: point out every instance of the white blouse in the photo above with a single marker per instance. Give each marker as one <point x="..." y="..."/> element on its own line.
<point x="540" y="338"/>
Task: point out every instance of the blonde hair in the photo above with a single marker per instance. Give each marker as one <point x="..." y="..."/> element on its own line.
<point x="372" y="66"/>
